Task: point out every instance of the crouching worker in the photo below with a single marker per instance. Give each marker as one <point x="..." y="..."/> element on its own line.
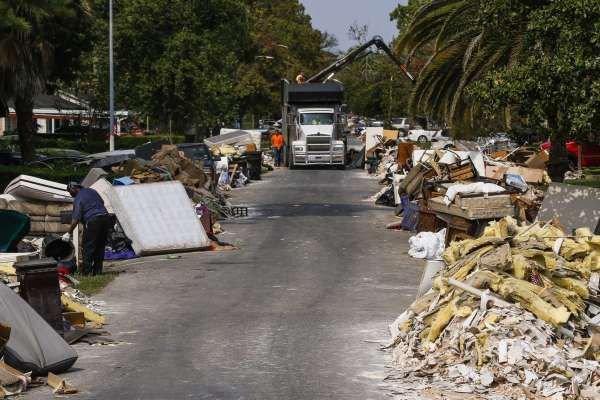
<point x="88" y="208"/>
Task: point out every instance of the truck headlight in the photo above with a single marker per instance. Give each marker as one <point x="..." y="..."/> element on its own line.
<point x="298" y="148"/>
<point x="338" y="148"/>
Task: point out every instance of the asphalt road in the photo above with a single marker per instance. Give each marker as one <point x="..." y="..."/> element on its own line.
<point x="292" y="314"/>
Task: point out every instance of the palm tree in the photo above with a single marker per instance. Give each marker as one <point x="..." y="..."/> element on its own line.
<point x="462" y="49"/>
<point x="26" y="57"/>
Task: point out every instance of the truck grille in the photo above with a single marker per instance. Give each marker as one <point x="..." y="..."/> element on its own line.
<point x="318" y="143"/>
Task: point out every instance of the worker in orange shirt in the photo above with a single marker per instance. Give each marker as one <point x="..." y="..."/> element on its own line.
<point x="277" y="144"/>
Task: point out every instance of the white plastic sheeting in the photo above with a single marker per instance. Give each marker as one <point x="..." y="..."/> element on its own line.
<point x="157" y="217"/>
<point x="470" y="188"/>
<point x="427" y="245"/>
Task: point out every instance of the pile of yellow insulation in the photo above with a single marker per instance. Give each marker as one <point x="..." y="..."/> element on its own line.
<point x="513" y="314"/>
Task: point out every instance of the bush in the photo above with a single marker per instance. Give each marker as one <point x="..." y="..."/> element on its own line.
<point x="11" y="143"/>
<point x="61" y="175"/>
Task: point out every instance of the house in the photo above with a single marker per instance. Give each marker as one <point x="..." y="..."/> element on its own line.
<point x="51" y="112"/>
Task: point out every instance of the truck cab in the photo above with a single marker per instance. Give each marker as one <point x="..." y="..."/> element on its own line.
<point x="314" y="123"/>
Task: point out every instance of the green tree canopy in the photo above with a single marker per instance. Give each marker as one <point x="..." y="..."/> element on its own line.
<point x="40" y="43"/>
<point x="283" y="43"/>
<point x="174" y="60"/>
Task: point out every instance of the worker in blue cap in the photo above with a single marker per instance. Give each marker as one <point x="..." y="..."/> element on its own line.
<point x="88" y="208"/>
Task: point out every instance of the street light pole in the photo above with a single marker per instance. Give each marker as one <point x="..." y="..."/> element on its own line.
<point x="111" y="83"/>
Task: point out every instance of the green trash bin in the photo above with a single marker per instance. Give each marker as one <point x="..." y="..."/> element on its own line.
<point x="15" y="226"/>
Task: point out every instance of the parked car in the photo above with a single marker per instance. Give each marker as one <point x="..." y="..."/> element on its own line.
<point x="590" y="153"/>
<point x="61" y="157"/>
<point x="200" y="152"/>
<point x="424" y="136"/>
<point x="10" y="158"/>
<point x="400" y="123"/>
<point x="376" y="124"/>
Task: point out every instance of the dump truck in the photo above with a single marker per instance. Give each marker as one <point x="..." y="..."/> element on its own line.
<point x="313" y="122"/>
<point x="313" y="116"/>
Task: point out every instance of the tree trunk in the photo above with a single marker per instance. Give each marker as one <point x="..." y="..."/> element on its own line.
<point x="26" y="127"/>
<point x="559" y="158"/>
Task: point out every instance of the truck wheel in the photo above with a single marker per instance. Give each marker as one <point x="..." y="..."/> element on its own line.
<point x="341" y="167"/>
<point x="422" y="139"/>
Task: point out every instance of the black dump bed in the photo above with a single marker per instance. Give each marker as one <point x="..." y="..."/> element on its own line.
<point x="313" y="93"/>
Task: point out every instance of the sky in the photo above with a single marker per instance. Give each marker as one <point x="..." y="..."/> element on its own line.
<point x="336" y="16"/>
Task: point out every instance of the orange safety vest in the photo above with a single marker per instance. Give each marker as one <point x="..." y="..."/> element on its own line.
<point x="277" y="141"/>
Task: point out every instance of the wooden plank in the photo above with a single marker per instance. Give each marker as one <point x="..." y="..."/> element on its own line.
<point x="75" y="318"/>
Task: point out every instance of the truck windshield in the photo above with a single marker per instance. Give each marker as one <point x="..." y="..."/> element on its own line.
<point x="316" y="119"/>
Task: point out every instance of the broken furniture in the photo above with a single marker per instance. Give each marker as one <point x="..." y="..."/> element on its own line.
<point x="38" y="286"/>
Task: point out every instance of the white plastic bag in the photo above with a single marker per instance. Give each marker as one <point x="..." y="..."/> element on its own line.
<point x="427" y="245"/>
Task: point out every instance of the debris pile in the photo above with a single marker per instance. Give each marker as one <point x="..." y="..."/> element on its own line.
<point x="513" y="314"/>
<point x="460" y="189"/>
<point x="41" y="200"/>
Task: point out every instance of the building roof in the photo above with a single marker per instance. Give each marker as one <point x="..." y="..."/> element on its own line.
<point x="49" y="101"/>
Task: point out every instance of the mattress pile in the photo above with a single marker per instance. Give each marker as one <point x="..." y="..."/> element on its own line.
<point x="42" y="200"/>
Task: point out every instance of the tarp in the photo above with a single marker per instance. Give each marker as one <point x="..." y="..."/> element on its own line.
<point x="32" y="188"/>
<point x="157" y="217"/>
<point x="33" y="344"/>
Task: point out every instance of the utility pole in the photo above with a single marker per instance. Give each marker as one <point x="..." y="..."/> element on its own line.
<point x="111" y="77"/>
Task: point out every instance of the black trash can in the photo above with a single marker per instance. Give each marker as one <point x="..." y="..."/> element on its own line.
<point x="254" y="160"/>
<point x="53" y="246"/>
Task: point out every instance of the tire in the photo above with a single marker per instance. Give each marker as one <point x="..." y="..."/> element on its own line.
<point x="422" y="139"/>
<point x="341" y="167"/>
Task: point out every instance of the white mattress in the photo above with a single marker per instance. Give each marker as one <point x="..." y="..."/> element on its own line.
<point x="32" y="188"/>
<point x="103" y="187"/>
<point x="157" y="217"/>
